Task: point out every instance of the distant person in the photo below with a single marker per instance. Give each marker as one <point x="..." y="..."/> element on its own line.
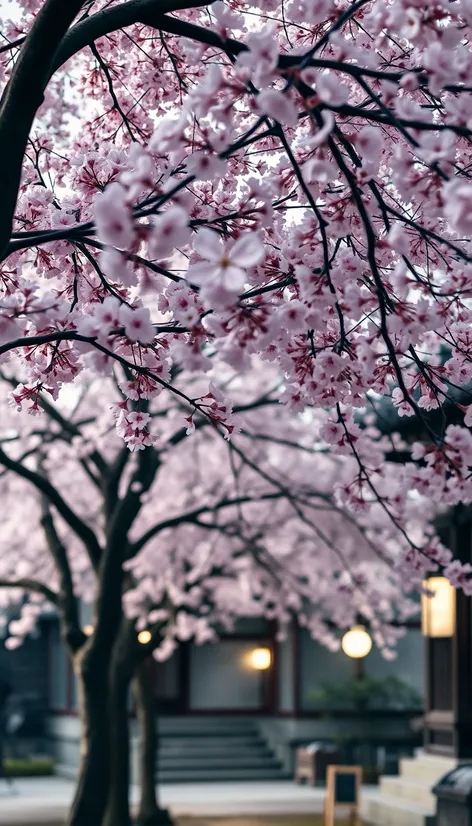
<point x="5" y="692"/>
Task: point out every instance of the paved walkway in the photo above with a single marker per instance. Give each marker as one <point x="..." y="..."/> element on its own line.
<point x="46" y="800"/>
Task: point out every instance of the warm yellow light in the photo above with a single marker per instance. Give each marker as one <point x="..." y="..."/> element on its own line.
<point x="144" y="637"/>
<point x="88" y="630"/>
<point x="438" y="613"/>
<point x="356" y="643"/>
<point x="261" y="659"/>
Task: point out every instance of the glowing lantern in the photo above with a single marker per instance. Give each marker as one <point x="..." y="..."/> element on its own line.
<point x="261" y="659"/>
<point x="356" y="643"/>
<point x="438" y="613"/>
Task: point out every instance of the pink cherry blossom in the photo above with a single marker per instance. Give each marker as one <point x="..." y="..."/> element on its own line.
<point x="113" y="218"/>
<point x="137" y="323"/>
<point x="251" y="186"/>
<point x="205" y="166"/>
<point x="223" y="263"/>
<point x="170" y="230"/>
<point x="262" y="56"/>
<point x="457" y="210"/>
<point x="278" y="106"/>
<point x="331" y="88"/>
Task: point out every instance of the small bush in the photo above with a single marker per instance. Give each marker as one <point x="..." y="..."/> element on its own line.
<point x="36" y="767"/>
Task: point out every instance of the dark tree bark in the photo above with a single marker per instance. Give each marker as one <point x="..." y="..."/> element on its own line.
<point x="150" y="813"/>
<point x="90" y="799"/>
<point x="22" y="97"/>
<point x="117" y="811"/>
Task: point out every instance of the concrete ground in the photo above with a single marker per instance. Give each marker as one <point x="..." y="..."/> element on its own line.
<point x="256" y="820"/>
<point x="44" y="801"/>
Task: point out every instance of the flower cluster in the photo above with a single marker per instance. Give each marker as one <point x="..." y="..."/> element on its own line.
<point x="258" y="184"/>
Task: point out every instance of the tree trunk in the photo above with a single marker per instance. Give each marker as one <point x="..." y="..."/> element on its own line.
<point x="150" y="813"/>
<point x="118" y="808"/>
<point x="92" y="787"/>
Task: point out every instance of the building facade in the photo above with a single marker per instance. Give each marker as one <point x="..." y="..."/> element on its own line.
<point x="213" y="693"/>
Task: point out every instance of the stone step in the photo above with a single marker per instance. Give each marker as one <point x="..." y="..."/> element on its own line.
<point x="229" y="762"/>
<point x="217" y="752"/>
<point x="215" y="743"/>
<point x="211" y="749"/>
<point x="205" y="724"/>
<point x="414" y="791"/>
<point x="390" y="811"/>
<point x="201" y="775"/>
<point x="426" y="768"/>
<point x="215" y="734"/>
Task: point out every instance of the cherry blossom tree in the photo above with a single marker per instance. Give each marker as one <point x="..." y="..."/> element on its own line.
<point x="191" y="189"/>
<point x="181" y="539"/>
<point x="195" y="183"/>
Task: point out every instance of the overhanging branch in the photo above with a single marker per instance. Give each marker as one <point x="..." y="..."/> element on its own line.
<point x="44" y="486"/>
<point x="23" y="96"/>
<point x="33" y="585"/>
<point x="105" y="22"/>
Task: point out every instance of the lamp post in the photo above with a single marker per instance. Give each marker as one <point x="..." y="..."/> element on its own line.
<point x="261" y="660"/>
<point x="356" y="644"/>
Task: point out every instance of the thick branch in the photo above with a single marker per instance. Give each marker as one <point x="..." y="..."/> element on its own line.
<point x="111" y="574"/>
<point x="112" y="479"/>
<point x="31" y="585"/>
<point x="109" y="20"/>
<point x="128" y="508"/>
<point x="45" y="487"/>
<point x="24" y="95"/>
<point x="72" y="634"/>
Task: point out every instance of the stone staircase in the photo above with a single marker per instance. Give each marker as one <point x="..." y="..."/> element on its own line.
<point x="407" y="800"/>
<point x="212" y="749"/>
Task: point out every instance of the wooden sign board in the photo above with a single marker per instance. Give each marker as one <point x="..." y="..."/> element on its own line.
<point x="343" y="788"/>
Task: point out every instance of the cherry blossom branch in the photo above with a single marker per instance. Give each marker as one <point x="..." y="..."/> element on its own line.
<point x="103" y="23"/>
<point x="68" y="427"/>
<point x="192" y="517"/>
<point x="127" y="509"/>
<point x="43" y="485"/>
<point x="66" y="599"/>
<point x="33" y="585"/>
<point x="116" y="104"/>
<point x="23" y="96"/>
<point x="111" y="481"/>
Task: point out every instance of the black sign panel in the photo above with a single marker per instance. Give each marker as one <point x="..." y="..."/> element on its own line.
<point x="345" y="788"/>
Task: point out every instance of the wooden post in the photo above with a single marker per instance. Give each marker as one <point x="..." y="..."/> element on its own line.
<point x="343" y="788"/>
<point x="448" y="711"/>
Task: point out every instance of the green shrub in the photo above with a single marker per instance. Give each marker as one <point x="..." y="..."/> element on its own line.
<point x="368" y="693"/>
<point x="36" y="767"/>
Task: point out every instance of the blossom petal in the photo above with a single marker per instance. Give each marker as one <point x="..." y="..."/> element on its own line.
<point x="207" y="243"/>
<point x="278" y="106"/>
<point x="233" y="278"/>
<point x="247" y="251"/>
<point x="201" y="271"/>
